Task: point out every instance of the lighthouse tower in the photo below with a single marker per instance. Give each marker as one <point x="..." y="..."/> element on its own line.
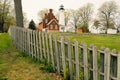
<point x="62" y="19"/>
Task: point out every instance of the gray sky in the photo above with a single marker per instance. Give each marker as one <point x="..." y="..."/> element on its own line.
<point x="32" y="7"/>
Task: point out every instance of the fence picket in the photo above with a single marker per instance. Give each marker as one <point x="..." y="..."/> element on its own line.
<point x="107" y="64"/>
<point x="95" y="66"/>
<point x="47" y="47"/>
<point x="118" y="67"/>
<point x="76" y="59"/>
<point x="63" y="54"/>
<point x="70" y="60"/>
<point x="51" y="51"/>
<point x="85" y="60"/>
<point x="44" y="46"/>
<point x="57" y="55"/>
<point x="37" y="46"/>
<point x="28" y="41"/>
<point x="32" y="47"/>
<point x="40" y="44"/>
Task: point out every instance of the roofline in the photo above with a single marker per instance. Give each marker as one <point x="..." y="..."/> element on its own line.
<point x="53" y="20"/>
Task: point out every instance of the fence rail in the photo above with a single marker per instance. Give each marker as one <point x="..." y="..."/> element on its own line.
<point x="75" y="61"/>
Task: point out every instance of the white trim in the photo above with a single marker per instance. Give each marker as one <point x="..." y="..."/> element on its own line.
<point x="51" y="21"/>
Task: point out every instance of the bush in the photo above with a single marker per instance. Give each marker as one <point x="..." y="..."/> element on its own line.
<point x="32" y="25"/>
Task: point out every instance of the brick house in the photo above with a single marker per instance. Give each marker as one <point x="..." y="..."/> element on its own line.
<point x="49" y="23"/>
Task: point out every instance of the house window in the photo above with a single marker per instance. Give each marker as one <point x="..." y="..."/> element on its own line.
<point x="46" y="20"/>
<point x="51" y="26"/>
<point x="56" y="27"/>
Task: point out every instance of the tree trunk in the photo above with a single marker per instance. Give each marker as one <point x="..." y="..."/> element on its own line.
<point x="75" y="28"/>
<point x="19" y="14"/>
<point x="1" y="27"/>
<point x="3" y="16"/>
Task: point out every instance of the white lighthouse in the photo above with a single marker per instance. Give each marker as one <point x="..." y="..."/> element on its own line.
<point x="62" y="19"/>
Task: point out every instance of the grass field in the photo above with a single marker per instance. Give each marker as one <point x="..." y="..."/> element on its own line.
<point x="5" y="42"/>
<point x="109" y="41"/>
<point x="15" y="65"/>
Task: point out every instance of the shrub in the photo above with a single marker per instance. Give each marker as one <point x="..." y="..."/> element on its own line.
<point x="32" y="25"/>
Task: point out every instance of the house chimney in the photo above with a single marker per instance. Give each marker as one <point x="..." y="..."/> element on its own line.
<point x="50" y="10"/>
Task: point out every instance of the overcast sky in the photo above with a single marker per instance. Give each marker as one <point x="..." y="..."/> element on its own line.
<point x="32" y="7"/>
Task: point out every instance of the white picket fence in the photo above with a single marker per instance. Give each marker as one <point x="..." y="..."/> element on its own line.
<point x="78" y="61"/>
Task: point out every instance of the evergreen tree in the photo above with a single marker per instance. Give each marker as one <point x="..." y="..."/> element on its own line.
<point x="32" y="25"/>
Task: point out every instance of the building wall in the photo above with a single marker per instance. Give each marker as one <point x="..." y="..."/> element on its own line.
<point x="79" y="31"/>
<point x="53" y="26"/>
<point x="40" y="26"/>
<point x="48" y="21"/>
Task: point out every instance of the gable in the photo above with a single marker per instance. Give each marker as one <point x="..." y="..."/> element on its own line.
<point x="53" y="21"/>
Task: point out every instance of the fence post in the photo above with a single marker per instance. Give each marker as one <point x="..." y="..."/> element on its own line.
<point x="25" y="33"/>
<point x="118" y="67"/>
<point x="107" y="64"/>
<point x="85" y="60"/>
<point x="51" y="50"/>
<point x="25" y="41"/>
<point x="22" y="40"/>
<point x="28" y="39"/>
<point x="32" y="48"/>
<point x="40" y="44"/>
<point x="14" y="35"/>
<point x="70" y="60"/>
<point x="43" y="42"/>
<point x="18" y="39"/>
<point x="57" y="55"/>
<point x="95" y="66"/>
<point x="102" y="63"/>
<point x="47" y="47"/>
<point x="76" y="59"/>
<point x="37" y="46"/>
<point x="63" y="54"/>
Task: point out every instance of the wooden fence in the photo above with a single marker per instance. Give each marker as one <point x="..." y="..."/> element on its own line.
<point x="78" y="61"/>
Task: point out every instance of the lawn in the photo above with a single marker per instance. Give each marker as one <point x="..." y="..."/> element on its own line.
<point x="15" y="65"/>
<point x="5" y="42"/>
<point x="109" y="41"/>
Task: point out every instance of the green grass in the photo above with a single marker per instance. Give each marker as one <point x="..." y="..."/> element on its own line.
<point x="109" y="41"/>
<point x="15" y="65"/>
<point x="5" y="42"/>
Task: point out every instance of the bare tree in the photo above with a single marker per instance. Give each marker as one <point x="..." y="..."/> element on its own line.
<point x="96" y="23"/>
<point x="19" y="13"/>
<point x="4" y="11"/>
<point x="107" y="12"/>
<point x="75" y="18"/>
<point x="25" y="20"/>
<point x="67" y="16"/>
<point x="85" y="13"/>
<point x="116" y="19"/>
<point x="41" y="13"/>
